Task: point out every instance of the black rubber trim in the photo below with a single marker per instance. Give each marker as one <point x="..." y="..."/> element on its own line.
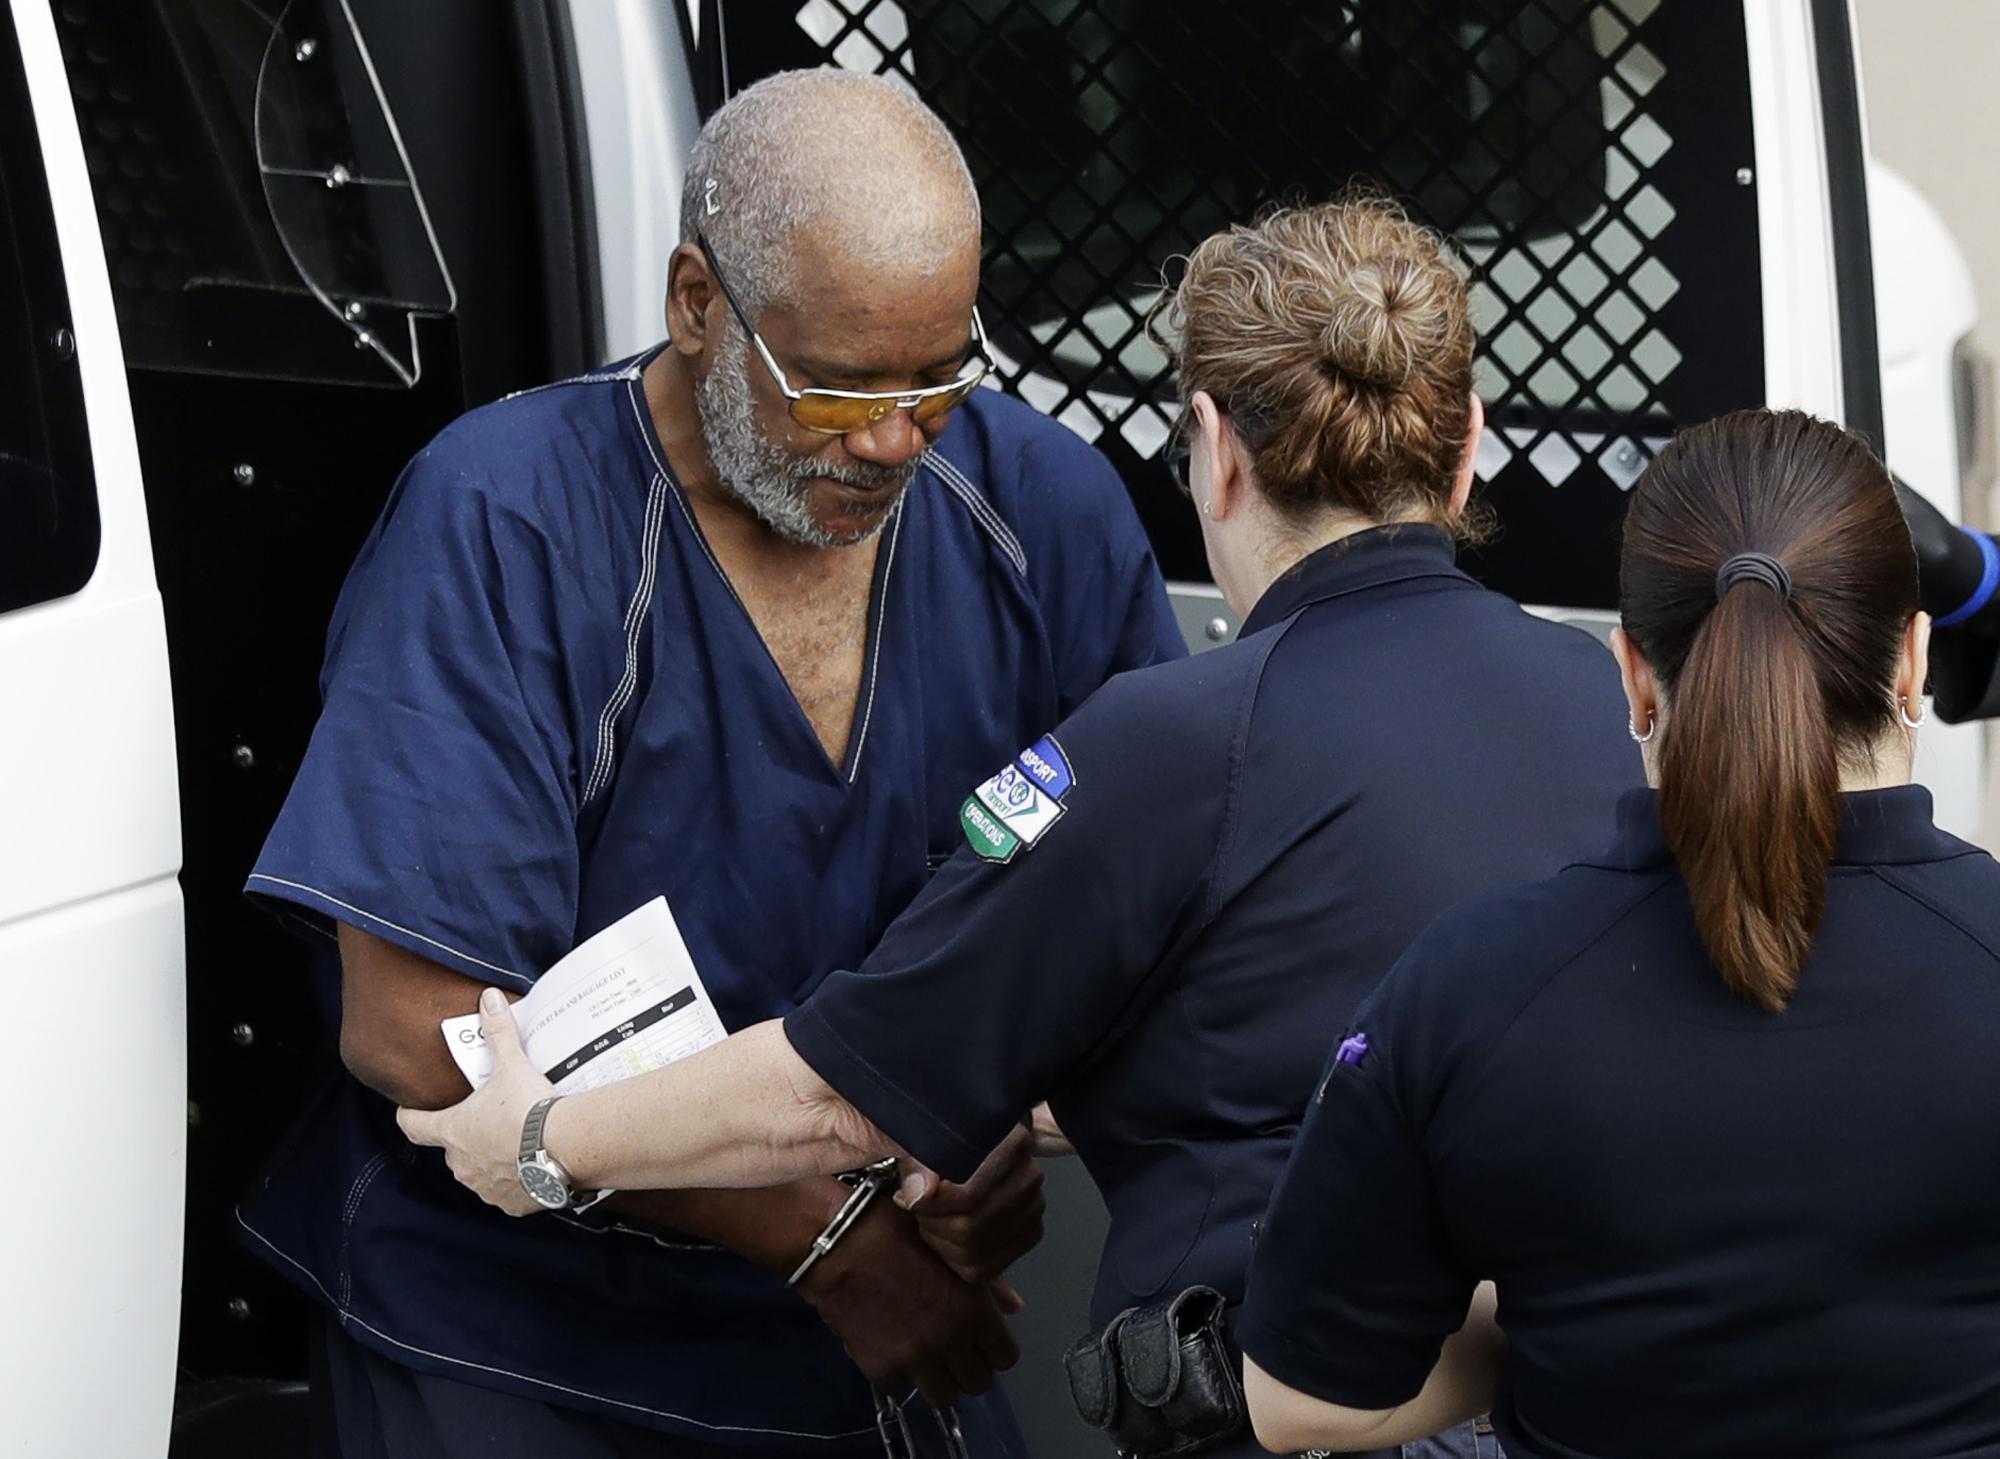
<point x="1847" y="206"/>
<point x="573" y="287"/>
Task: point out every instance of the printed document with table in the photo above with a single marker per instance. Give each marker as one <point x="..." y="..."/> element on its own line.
<point x="627" y="1001"/>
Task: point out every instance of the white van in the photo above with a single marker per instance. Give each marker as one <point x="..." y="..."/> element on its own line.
<point x="253" y="256"/>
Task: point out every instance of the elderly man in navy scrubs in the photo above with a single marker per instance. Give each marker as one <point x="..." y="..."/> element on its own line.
<point x="740" y="622"/>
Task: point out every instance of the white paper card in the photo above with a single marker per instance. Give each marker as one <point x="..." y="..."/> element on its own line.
<point x="626" y="1002"/>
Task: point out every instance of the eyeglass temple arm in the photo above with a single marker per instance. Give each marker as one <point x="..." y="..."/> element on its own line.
<point x="729" y="294"/>
<point x="736" y="308"/>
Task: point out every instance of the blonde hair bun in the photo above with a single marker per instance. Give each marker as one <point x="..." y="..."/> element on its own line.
<point x="1379" y="329"/>
<point x="1339" y="339"/>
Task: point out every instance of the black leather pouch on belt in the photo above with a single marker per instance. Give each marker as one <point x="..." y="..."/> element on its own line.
<point x="1160" y="1381"/>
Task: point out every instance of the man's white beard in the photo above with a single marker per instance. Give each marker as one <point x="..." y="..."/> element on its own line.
<point x="768" y="479"/>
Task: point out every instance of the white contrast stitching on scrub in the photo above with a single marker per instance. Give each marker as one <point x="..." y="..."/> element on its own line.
<point x="345" y="1316"/>
<point x="875" y="648"/>
<point x="694" y="527"/>
<point x="645" y="432"/>
<point x="985" y="510"/>
<point x="961" y="485"/>
<point x="988" y="513"/>
<point x="355" y="1193"/>
<point x="279" y="881"/>
<point x="635" y="619"/>
<point x="595" y="377"/>
<point x="982" y="510"/>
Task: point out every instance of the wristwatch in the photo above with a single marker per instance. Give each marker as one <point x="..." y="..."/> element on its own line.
<point x="542" y="1175"/>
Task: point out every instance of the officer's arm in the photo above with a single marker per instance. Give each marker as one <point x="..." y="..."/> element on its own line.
<point x="1460" y="1387"/>
<point x="746" y="1112"/>
<point x="1022" y="955"/>
<point x="391" y="1004"/>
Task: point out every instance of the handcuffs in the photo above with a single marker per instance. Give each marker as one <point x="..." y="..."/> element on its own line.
<point x="890" y="1420"/>
<point x="868" y="1182"/>
<point x="892" y="1423"/>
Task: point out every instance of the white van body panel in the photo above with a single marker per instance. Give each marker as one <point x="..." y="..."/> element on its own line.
<point x="1795" y="246"/>
<point x="640" y="121"/>
<point x="92" y="955"/>
<point x="1924" y="304"/>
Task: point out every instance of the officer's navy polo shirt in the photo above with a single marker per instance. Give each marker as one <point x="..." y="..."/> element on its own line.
<point x="545" y="706"/>
<point x="1715" y="1231"/>
<point x="1172" y="905"/>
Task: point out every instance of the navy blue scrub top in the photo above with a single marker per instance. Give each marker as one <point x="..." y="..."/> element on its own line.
<point x="544" y="706"/>
<point x="1170" y="906"/>
<point x="1715" y="1230"/>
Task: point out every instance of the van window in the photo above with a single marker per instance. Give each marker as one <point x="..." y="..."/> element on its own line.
<point x="258" y="210"/>
<point x="1591" y="158"/>
<point x="48" y="492"/>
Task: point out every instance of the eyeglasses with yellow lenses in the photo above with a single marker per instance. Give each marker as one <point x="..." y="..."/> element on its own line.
<point x="842" y="412"/>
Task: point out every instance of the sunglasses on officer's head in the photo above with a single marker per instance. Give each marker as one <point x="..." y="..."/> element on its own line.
<point x="842" y="412"/>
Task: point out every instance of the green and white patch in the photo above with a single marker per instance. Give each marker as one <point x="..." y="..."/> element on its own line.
<point x="987" y="835"/>
<point x="1016" y="807"/>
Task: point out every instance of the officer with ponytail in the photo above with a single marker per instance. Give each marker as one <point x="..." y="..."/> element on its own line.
<point x="1715" y="1113"/>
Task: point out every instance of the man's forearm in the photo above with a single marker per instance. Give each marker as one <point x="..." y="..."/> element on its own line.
<point x="414" y="1082"/>
<point x="391" y="1004"/>
<point x="771" y="1228"/>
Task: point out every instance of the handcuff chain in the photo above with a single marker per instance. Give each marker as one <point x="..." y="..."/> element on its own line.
<point x="888" y="1411"/>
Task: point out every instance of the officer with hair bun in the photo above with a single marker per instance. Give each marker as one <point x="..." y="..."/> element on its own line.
<point x="1168" y="907"/>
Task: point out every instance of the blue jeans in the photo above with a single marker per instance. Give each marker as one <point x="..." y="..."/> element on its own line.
<point x="1474" y="1440"/>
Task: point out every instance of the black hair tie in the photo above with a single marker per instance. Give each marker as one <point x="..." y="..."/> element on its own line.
<point x="1756" y="567"/>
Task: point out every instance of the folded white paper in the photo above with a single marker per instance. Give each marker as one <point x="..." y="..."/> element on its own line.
<point x="626" y="1002"/>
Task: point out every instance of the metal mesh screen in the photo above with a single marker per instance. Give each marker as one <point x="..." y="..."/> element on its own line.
<point x="1590" y="157"/>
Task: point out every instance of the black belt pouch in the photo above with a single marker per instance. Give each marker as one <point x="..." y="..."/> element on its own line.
<point x="1160" y="1381"/>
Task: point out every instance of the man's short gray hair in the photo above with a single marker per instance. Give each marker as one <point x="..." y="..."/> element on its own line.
<point x="856" y="158"/>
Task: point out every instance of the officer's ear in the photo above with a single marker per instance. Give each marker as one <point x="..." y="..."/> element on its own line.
<point x="1468" y="459"/>
<point x="1217" y="461"/>
<point x="691" y="295"/>
<point x="1642" y="690"/>
<point x="1913" y="663"/>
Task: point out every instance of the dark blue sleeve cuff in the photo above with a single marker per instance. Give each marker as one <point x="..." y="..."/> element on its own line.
<point x="905" y="1117"/>
<point x="1350" y="1380"/>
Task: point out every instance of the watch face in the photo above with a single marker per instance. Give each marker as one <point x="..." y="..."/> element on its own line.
<point x="545" y="1186"/>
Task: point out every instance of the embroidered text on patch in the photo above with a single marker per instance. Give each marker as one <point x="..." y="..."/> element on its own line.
<point x="1016" y="807"/>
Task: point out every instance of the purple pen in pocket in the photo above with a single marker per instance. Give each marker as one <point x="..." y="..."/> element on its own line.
<point x="1353" y="1049"/>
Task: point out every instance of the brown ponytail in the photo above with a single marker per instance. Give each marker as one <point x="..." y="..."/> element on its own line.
<point x="1770" y="685"/>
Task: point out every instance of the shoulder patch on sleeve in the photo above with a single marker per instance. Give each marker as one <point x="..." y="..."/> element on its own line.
<point x="1016" y="807"/>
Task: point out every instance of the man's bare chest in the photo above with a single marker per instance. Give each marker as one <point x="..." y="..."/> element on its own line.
<point x="816" y="630"/>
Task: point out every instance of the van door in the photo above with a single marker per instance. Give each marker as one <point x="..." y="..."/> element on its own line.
<point x="92" y="1019"/>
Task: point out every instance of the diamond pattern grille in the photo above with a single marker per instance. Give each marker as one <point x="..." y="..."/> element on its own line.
<point x="1567" y="145"/>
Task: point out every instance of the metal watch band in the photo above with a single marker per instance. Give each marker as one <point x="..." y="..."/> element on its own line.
<point x="533" y="1151"/>
<point x="531" y="1128"/>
